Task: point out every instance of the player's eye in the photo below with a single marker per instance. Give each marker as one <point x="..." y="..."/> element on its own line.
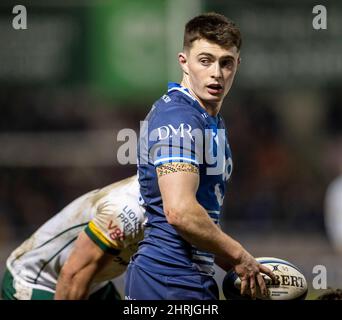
<point x="205" y="62"/>
<point x="229" y="64"/>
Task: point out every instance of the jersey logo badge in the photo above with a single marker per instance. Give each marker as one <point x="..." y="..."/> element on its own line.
<point x="169" y="131"/>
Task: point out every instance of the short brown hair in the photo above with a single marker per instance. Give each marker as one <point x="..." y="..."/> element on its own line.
<point x="213" y="27"/>
<point x="331" y="295"/>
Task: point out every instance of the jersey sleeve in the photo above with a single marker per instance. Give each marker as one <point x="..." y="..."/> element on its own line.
<point x="176" y="137"/>
<point x="116" y="224"/>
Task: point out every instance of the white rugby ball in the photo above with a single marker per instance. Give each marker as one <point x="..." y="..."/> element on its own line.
<point x="290" y="282"/>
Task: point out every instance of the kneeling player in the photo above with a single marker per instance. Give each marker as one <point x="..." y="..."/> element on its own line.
<point x="76" y="253"/>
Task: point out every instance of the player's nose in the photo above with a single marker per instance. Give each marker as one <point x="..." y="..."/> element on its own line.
<point x="216" y="70"/>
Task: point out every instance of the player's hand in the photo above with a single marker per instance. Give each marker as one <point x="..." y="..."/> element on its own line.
<point x="249" y="271"/>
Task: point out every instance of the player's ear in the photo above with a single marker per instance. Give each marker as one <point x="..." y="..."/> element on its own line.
<point x="183" y="62"/>
<point x="238" y="61"/>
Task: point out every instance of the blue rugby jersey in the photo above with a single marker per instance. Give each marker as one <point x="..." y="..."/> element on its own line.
<point x="178" y="129"/>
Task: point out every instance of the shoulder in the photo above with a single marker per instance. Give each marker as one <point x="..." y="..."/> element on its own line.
<point x="176" y="113"/>
<point x="118" y="204"/>
<point x="113" y="200"/>
<point x="175" y="101"/>
<point x="118" y="217"/>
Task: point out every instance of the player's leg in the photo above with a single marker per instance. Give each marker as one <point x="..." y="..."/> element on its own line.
<point x="107" y="292"/>
<point x="12" y="290"/>
<point x="192" y="287"/>
<point x="144" y="285"/>
<point x="41" y="295"/>
<point x="7" y="289"/>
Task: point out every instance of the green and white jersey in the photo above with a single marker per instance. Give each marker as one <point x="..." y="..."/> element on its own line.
<point x="112" y="217"/>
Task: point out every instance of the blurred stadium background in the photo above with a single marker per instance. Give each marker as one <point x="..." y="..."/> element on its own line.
<point x="85" y="69"/>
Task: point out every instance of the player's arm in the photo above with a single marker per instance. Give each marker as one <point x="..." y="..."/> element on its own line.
<point x="190" y="219"/>
<point x="86" y="259"/>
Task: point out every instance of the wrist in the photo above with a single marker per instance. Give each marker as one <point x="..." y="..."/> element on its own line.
<point x="236" y="254"/>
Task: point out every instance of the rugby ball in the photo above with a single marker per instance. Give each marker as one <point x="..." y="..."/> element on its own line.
<point x="290" y="282"/>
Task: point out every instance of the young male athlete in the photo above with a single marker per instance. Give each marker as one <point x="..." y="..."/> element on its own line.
<point x="76" y="253"/>
<point x="184" y="163"/>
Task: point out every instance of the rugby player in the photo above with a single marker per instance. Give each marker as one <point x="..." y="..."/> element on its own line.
<point x="184" y="162"/>
<point x="333" y="213"/>
<point x="76" y="253"/>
